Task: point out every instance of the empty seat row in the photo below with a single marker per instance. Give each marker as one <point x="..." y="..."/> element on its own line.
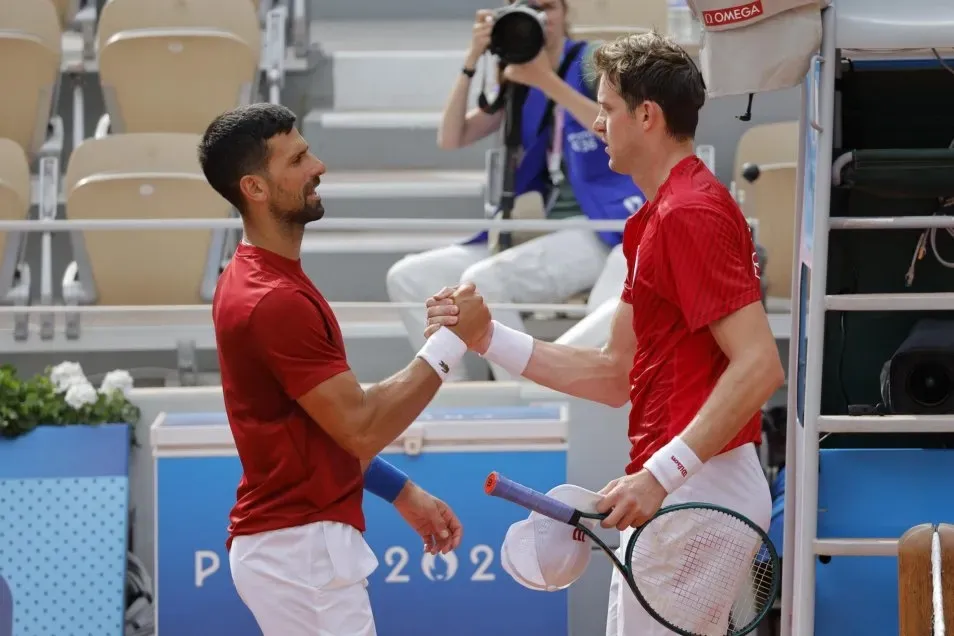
<point x="167" y="68"/>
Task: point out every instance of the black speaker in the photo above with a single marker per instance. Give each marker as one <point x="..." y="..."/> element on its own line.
<point x="919" y="377"/>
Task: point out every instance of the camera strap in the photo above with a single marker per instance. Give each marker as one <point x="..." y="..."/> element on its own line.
<point x="556" y="114"/>
<point x="568" y="59"/>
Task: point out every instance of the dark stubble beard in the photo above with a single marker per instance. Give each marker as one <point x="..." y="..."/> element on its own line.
<point x="305" y="212"/>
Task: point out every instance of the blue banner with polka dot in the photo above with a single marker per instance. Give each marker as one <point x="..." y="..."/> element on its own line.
<point x="64" y="496"/>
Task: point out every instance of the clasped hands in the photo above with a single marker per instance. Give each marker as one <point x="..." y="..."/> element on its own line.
<point x="462" y="310"/>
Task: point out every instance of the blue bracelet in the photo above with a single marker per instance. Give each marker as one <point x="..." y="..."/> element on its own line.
<point x="384" y="480"/>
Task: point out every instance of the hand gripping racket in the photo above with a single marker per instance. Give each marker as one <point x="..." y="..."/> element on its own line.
<point x="698" y="569"/>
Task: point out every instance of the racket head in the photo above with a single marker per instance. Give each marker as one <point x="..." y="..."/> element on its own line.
<point x="703" y="570"/>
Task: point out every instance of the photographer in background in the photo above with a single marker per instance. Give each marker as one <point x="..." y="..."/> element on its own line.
<point x="563" y="173"/>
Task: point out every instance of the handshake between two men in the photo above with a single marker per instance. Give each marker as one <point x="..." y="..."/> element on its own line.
<point x="462" y="310"/>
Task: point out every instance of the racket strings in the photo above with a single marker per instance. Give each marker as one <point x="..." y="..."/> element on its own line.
<point x="703" y="571"/>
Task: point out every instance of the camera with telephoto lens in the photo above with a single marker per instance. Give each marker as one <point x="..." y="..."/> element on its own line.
<point x="518" y="33"/>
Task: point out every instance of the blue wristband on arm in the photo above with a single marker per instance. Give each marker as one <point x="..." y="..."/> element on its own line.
<point x="384" y="480"/>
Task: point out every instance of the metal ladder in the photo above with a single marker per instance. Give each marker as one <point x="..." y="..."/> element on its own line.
<point x="801" y="544"/>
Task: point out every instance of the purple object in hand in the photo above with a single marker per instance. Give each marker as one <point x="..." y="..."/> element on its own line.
<point x="499" y="486"/>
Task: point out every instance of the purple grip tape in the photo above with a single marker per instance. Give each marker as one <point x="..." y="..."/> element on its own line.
<point x="499" y="486"/>
<point x="6" y="609"/>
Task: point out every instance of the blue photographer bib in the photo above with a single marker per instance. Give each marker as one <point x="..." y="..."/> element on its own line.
<point x="601" y="193"/>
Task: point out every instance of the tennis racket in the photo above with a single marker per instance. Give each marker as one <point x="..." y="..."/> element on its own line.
<point x="698" y="569"/>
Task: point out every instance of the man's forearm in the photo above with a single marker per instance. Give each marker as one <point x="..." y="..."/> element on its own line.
<point x="393" y="404"/>
<point x="744" y="387"/>
<point x="587" y="373"/>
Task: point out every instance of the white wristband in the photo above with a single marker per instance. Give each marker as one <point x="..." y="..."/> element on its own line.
<point x="673" y="464"/>
<point x="510" y="349"/>
<point x="443" y="351"/>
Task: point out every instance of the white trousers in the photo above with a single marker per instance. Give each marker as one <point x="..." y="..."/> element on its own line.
<point x="306" y="581"/>
<point x="733" y="480"/>
<point x="547" y="269"/>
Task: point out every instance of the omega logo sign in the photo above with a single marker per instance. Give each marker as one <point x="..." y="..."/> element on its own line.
<point x="732" y="15"/>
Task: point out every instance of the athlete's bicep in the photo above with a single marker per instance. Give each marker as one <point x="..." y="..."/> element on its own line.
<point x="745" y="331"/>
<point x="339" y="406"/>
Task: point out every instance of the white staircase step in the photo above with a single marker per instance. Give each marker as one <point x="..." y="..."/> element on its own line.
<point x="892" y="222"/>
<point x="886" y="424"/>
<point x="374" y="184"/>
<point x="397" y="11"/>
<point x="407" y="65"/>
<point x="400" y="35"/>
<point x="403" y="194"/>
<point x="890" y="302"/>
<point x="387" y="140"/>
<point x="856" y="547"/>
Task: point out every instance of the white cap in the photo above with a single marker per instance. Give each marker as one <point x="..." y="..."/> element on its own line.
<point x="543" y="554"/>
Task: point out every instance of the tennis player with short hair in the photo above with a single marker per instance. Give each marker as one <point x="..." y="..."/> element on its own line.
<point x="307" y="433"/>
<point x="690" y="346"/>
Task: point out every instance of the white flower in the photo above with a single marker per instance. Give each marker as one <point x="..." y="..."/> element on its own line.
<point x="67" y="374"/>
<point x="117" y="381"/>
<point x="80" y="395"/>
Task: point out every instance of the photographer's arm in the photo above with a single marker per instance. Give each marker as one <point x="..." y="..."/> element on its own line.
<point x="460" y="128"/>
<point x="541" y="73"/>
<point x="583" y="109"/>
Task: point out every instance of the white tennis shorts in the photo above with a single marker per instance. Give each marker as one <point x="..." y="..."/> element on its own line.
<point x="733" y="480"/>
<point x="306" y="581"/>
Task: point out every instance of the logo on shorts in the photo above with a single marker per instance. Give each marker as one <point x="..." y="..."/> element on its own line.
<point x="732" y="15"/>
<point x="682" y="469"/>
<point x="444" y="367"/>
<point x="578" y="535"/>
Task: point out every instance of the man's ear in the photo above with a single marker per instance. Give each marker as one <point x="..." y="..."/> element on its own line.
<point x="253" y="188"/>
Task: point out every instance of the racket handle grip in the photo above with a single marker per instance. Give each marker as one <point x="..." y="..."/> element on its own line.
<point x="499" y="486"/>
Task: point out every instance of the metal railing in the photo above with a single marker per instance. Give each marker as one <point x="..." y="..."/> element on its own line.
<point x="325" y="225"/>
<point x="199" y="315"/>
<point x="206" y="309"/>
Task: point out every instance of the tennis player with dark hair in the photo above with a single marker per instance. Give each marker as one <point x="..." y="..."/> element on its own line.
<point x="306" y="431"/>
<point x="690" y="348"/>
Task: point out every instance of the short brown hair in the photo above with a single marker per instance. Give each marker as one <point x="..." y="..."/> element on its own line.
<point x="649" y="66"/>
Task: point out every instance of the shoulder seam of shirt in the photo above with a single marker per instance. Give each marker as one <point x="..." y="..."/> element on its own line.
<point x="281" y="286"/>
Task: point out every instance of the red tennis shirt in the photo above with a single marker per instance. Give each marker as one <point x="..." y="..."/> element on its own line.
<point x="277" y="339"/>
<point x="691" y="260"/>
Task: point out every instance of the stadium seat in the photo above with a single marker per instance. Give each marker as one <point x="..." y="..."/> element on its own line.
<point x="173" y="65"/>
<point x="764" y="144"/>
<point x="30" y="58"/>
<point x="771" y="198"/>
<point x="146" y="176"/>
<point x="14" y="206"/>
